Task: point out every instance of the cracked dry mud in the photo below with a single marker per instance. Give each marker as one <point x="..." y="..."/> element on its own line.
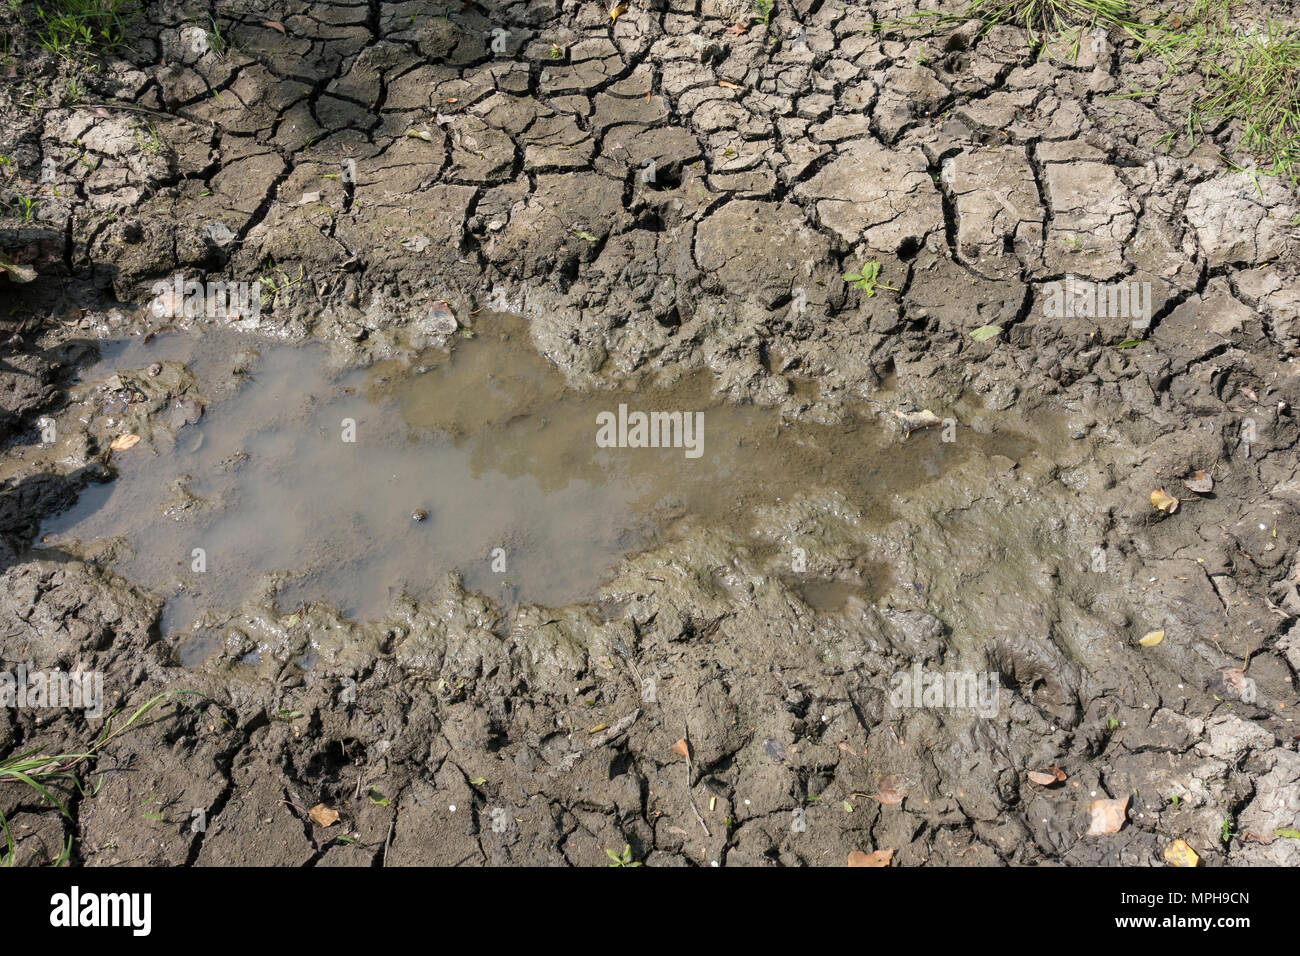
<point x="372" y="159"/>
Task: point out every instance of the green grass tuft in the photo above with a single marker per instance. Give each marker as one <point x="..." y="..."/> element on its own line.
<point x="68" y="27"/>
<point x="1252" y="76"/>
<point x="38" y="771"/>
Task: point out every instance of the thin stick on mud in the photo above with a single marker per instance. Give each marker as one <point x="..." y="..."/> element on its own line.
<point x="388" y="840"/>
<point x="686" y="735"/>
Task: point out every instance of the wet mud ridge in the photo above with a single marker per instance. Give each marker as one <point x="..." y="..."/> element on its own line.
<point x="990" y="553"/>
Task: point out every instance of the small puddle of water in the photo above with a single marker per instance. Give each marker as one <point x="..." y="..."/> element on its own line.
<point x="489" y="445"/>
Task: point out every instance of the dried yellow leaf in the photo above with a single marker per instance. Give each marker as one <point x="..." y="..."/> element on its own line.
<point x="1164" y="502"/>
<point x="123" y="442"/>
<point x="322" y="815"/>
<point x="1179" y="853"/>
<point x="1152" y="638"/>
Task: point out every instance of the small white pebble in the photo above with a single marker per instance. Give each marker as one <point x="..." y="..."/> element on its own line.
<point x="713" y="863"/>
<point x="1093" y="794"/>
<point x="452" y="808"/>
<point x="746" y="803"/>
<point x="1263" y="527"/>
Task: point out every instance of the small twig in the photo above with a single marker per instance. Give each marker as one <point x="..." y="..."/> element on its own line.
<point x="686" y="735"/>
<point x="388" y="840"/>
<point x="129" y="106"/>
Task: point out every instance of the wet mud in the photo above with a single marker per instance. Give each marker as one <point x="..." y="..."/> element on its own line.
<point x="455" y="249"/>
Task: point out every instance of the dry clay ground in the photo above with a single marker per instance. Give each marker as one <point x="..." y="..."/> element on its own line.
<point x="369" y="159"/>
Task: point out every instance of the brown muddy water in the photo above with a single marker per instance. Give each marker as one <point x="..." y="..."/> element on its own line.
<point x="480" y="461"/>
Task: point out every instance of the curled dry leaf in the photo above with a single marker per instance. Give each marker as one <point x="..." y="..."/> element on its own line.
<point x="1047" y="778"/>
<point x="275" y="25"/>
<point x="617" y="11"/>
<point x="1200" y="482"/>
<point x="1151" y="639"/>
<point x="892" y="790"/>
<point x="322" y="815"/>
<point x="1164" y="502"/>
<point x="681" y="748"/>
<point x="123" y="442"/>
<point x="728" y="85"/>
<point x="878" y="858"/>
<point x="736" y="29"/>
<point x="1106" y="816"/>
<point x="1179" y="853"/>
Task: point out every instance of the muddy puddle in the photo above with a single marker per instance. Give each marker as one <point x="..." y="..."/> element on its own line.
<point x="309" y="482"/>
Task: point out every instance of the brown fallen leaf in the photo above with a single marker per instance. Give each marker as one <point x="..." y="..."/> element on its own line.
<point x="123" y="442"/>
<point x="1047" y="778"/>
<point x="275" y="25"/>
<point x="878" y="858"/>
<point x="1250" y="393"/>
<point x="1164" y="502"/>
<point x="681" y="748"/>
<point x="728" y="85"/>
<point x="1200" y="482"/>
<point x="322" y="815"/>
<point x="892" y="790"/>
<point x="1151" y="638"/>
<point x="1106" y="816"/>
<point x="617" y="11"/>
<point x="736" y="29"/>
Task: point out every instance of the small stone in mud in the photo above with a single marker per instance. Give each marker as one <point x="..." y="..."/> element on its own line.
<point x="155" y="370"/>
<point x="440" y="319"/>
<point x="419" y="514"/>
<point x="219" y="234"/>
